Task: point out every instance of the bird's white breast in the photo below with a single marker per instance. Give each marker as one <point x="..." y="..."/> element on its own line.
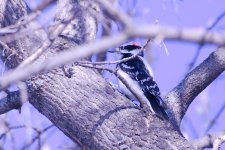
<point x="135" y="87"/>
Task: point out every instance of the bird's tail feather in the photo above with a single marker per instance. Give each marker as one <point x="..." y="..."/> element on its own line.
<point x="159" y="110"/>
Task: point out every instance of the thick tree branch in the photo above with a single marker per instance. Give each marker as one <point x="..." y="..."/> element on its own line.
<point x="125" y="81"/>
<point x="195" y="82"/>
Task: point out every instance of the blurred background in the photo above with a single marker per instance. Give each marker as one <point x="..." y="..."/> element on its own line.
<point x="170" y="61"/>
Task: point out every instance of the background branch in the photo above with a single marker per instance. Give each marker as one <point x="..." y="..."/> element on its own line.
<point x="213" y="120"/>
<point x="10" y="102"/>
<point x="209" y="28"/>
<point x="86" y="50"/>
<point x="208" y="140"/>
<point x="218" y="142"/>
<point x="195" y="82"/>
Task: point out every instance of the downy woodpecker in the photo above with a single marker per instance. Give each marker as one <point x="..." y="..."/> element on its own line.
<point x="138" y="72"/>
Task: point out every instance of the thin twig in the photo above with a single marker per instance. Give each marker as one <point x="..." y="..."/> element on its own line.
<point x="47" y="43"/>
<point x="40" y="132"/>
<point x="13" y="32"/>
<point x="117" y="61"/>
<point x="7" y="47"/>
<point x="190" y="126"/>
<point x="101" y="45"/>
<point x="116" y="14"/>
<point x="194" y="60"/>
<point x="213" y="120"/>
<point x="12" y="29"/>
<point x="97" y="67"/>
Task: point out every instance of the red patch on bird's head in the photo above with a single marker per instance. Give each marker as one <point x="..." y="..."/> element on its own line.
<point x="136" y="44"/>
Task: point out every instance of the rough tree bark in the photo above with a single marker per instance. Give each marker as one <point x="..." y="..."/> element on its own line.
<point x="85" y="107"/>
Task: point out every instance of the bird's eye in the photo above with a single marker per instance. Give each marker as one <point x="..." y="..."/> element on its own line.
<point x="121" y="47"/>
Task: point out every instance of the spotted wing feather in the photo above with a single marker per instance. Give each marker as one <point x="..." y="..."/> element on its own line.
<point x="136" y="69"/>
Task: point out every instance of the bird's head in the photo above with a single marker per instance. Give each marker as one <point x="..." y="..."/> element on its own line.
<point x="129" y="48"/>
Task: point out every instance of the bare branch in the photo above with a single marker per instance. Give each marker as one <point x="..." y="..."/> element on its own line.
<point x="116" y="14"/>
<point x="15" y="28"/>
<point x="12" y="101"/>
<point x="14" y="32"/>
<point x="117" y="61"/>
<point x="209" y="140"/>
<point x="9" y="129"/>
<point x="218" y="142"/>
<point x="209" y="28"/>
<point x="191" y="126"/>
<point x="63" y="58"/>
<point x="39" y="132"/>
<point x="97" y="67"/>
<point x="92" y="48"/>
<point x="4" y="45"/>
<point x="151" y="31"/>
<point x="183" y="94"/>
<point x="37" y="137"/>
<point x="58" y="29"/>
<point x="213" y="120"/>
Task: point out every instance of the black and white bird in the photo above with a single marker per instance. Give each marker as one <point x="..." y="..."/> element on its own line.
<point x="138" y="72"/>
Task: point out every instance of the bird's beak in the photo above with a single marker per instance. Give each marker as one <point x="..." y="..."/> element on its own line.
<point x="111" y="51"/>
<point x="115" y="51"/>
